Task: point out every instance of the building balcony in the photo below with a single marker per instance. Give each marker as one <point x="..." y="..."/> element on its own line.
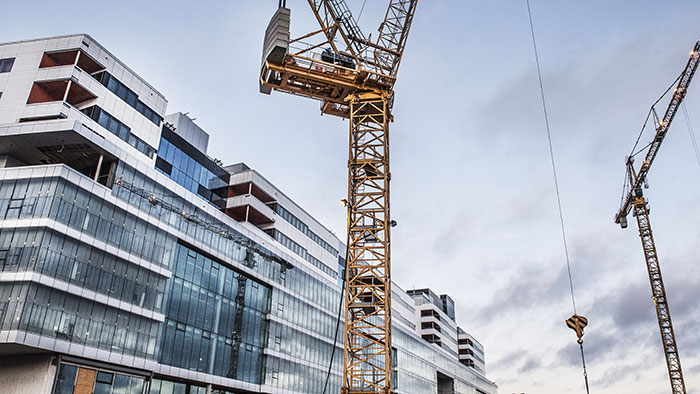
<point x="248" y="208"/>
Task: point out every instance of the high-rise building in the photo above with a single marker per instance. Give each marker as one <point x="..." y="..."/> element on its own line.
<point x="131" y="262"/>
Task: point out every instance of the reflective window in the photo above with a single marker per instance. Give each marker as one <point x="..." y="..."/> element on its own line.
<point x="301" y="226"/>
<point x="66" y="379"/>
<point x="118" y="128"/>
<point x="102" y="382"/>
<point x="215" y="319"/>
<point x="127" y="95"/>
<point x="192" y="169"/>
<point x="6" y="65"/>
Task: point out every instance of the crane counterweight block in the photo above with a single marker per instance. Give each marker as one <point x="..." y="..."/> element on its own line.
<point x="275" y="45"/>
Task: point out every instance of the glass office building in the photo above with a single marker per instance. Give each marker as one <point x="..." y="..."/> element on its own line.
<point x="132" y="263"/>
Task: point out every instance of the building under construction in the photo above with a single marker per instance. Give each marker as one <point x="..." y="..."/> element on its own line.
<point x="131" y="262"/>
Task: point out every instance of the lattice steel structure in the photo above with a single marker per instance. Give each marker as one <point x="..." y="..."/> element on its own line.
<point x="368" y="286"/>
<point x="658" y="291"/>
<point x="633" y="199"/>
<point x="357" y="83"/>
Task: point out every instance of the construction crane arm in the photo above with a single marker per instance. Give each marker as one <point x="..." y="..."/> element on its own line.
<point x="638" y="177"/>
<point x="335" y="17"/>
<point x="393" y="33"/>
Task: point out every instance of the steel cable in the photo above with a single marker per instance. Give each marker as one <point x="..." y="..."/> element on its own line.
<point x="335" y="340"/>
<point x="556" y="182"/>
<point x="693" y="140"/>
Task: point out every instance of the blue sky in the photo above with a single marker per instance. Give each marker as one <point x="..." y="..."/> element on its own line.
<point x="472" y="188"/>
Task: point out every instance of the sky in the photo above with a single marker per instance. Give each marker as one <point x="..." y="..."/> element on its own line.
<point x="472" y="185"/>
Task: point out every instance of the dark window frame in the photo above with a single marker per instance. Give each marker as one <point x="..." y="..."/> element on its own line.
<point x="6" y="64"/>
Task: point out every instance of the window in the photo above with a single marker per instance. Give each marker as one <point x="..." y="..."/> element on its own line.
<point x="103" y="384"/>
<point x="118" y="128"/>
<point x="6" y="65"/>
<point x="128" y="96"/>
<point x="66" y="379"/>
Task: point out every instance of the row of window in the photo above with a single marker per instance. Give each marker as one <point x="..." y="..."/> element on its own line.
<point x="299" y="313"/>
<point x="6" y="64"/>
<point x="53" y="313"/>
<point x="469" y="352"/>
<point x="77" y="208"/>
<point x="189" y="173"/>
<point x="159" y="386"/>
<point x="128" y="95"/>
<point x="102" y="382"/>
<point x="290" y="341"/>
<point x="119" y="129"/>
<point x="299" y="378"/>
<point x="304" y="228"/>
<point x="301" y="251"/>
<point x="296" y="280"/>
<point x="56" y="255"/>
<point x="178" y="158"/>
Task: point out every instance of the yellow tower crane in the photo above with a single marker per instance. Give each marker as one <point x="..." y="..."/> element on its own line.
<point x="633" y="199"/>
<point x="353" y="77"/>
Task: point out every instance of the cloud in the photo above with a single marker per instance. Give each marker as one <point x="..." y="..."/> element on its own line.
<point x="531" y="364"/>
<point x="632" y="307"/>
<point x="616" y="374"/>
<point x="531" y="288"/>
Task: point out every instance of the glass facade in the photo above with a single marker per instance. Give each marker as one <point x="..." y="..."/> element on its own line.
<point x="215" y="319"/>
<point x="274" y="326"/>
<point x="302" y="252"/>
<point x="191" y="168"/>
<point x="301" y="226"/>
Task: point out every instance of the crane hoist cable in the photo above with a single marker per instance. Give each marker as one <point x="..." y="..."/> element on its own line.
<point x="691" y="132"/>
<point x="361" y="10"/>
<point x="335" y="338"/>
<point x="575" y="322"/>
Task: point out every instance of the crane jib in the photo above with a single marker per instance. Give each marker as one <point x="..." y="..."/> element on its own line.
<point x="662" y="128"/>
<point x="634" y="199"/>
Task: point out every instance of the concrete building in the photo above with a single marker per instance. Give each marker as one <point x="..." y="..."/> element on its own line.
<point x="438" y="326"/>
<point x="471" y="351"/>
<point x="131" y="262"/>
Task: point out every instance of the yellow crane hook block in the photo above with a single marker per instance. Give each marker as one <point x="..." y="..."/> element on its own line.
<point x="577" y="323"/>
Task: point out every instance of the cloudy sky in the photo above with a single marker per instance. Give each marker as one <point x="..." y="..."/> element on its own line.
<point x="472" y="184"/>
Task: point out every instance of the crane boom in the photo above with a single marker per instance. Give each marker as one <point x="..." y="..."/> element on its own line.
<point x="334" y="16"/>
<point x="634" y="200"/>
<point x="662" y="126"/>
<point x="393" y="34"/>
<point x="357" y="85"/>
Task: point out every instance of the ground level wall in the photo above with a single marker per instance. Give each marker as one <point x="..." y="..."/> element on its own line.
<point x="26" y="374"/>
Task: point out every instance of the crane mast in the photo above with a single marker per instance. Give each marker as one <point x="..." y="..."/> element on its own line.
<point x="353" y="78"/>
<point x="634" y="201"/>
